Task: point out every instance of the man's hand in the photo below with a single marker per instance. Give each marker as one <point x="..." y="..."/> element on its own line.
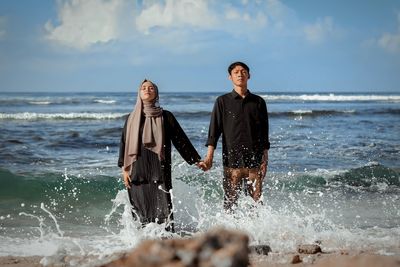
<point x="264" y="164"/>
<point x="127" y="178"/>
<point x="208" y="161"/>
<point x="263" y="169"/>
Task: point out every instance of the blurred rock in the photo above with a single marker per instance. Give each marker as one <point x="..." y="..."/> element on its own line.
<point x="296" y="259"/>
<point x="216" y="248"/>
<point x="309" y="249"/>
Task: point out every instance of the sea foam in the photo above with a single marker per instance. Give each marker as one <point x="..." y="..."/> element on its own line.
<point x="60" y="116"/>
<point x="331" y="97"/>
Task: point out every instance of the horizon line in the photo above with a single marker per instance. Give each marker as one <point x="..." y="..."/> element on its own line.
<point x="213" y="92"/>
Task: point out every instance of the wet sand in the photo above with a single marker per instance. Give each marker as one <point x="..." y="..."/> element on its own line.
<point x="333" y="259"/>
<point x="16" y="261"/>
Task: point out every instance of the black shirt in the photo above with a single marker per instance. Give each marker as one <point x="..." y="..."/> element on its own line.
<point x="243" y="123"/>
<point x="173" y="133"/>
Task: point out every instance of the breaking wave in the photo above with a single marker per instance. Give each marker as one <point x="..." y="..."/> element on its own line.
<point x="332" y="97"/>
<point x="61" y="116"/>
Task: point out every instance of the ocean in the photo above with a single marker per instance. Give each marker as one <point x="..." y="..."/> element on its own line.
<point x="333" y="175"/>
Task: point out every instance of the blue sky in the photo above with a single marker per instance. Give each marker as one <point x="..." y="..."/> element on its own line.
<point x="186" y="45"/>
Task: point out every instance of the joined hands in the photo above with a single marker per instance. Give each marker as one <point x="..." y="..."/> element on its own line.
<point x="201" y="165"/>
<point x="205" y="164"/>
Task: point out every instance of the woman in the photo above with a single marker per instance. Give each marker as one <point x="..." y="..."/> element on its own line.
<point x="145" y="156"/>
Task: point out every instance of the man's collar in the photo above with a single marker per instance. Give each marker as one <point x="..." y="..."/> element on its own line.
<point x="234" y="94"/>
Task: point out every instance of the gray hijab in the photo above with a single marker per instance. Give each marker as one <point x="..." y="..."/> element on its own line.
<point x="153" y="130"/>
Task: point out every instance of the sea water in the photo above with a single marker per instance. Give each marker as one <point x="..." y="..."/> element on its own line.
<point x="333" y="174"/>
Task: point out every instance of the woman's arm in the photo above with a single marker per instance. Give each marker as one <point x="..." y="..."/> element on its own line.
<point x="122" y="145"/>
<point x="180" y="140"/>
<point x="125" y="171"/>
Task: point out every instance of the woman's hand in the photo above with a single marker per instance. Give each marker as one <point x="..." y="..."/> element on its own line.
<point x="127" y="178"/>
<point x="201" y="165"/>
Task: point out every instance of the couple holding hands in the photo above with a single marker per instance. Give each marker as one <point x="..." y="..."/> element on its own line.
<point x="145" y="148"/>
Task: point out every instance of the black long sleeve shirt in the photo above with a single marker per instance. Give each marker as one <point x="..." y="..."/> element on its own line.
<point x="173" y="133"/>
<point x="243" y="123"/>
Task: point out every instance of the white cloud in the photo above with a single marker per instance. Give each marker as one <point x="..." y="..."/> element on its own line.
<point x="391" y="41"/>
<point x="176" y="14"/>
<point x="237" y="16"/>
<point x="3" y="26"/>
<point x="241" y="22"/>
<point x="320" y="30"/>
<point x="85" y="22"/>
<point x="277" y="10"/>
<point x="190" y="18"/>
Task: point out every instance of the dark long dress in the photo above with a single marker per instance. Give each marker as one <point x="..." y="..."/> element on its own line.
<point x="151" y="178"/>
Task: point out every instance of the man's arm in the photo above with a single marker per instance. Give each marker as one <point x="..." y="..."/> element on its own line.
<point x="214" y="132"/>
<point x="265" y="141"/>
<point x="209" y="157"/>
<point x="264" y="164"/>
<point x="265" y="125"/>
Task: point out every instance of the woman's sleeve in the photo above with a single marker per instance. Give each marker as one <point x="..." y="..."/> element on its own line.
<point x="180" y="140"/>
<point x="122" y="145"/>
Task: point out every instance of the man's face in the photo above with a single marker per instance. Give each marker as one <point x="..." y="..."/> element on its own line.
<point x="239" y="76"/>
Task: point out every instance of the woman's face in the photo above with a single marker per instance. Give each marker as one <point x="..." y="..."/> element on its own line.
<point x="147" y="92"/>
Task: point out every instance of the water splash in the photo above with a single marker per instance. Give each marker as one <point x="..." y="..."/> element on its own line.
<point x="315" y="211"/>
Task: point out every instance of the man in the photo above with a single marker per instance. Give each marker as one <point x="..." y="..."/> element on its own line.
<point x="242" y="119"/>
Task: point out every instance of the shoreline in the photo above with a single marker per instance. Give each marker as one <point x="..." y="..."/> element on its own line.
<point x="326" y="259"/>
<point x="351" y="258"/>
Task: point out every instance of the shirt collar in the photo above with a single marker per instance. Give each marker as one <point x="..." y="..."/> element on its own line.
<point x="234" y="94"/>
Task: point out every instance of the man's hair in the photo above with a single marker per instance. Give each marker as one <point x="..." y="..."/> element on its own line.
<point x="238" y="63"/>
